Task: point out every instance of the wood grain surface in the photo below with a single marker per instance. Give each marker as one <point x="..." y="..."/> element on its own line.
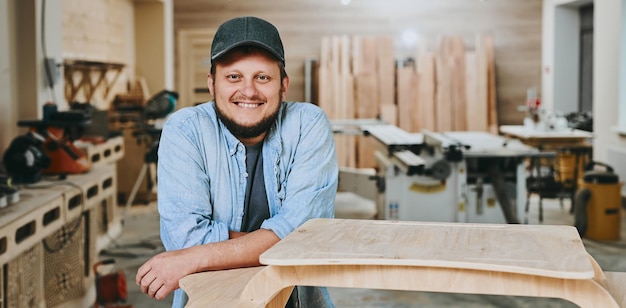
<point x="542" y="250"/>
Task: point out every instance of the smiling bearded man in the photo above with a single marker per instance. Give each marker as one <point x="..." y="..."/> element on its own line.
<point x="238" y="174"/>
<point x="257" y="100"/>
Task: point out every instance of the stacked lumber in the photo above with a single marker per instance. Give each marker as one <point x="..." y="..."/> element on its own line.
<point x="455" y="87"/>
<point x="336" y="91"/>
<point x="451" y="88"/>
<point x="356" y="81"/>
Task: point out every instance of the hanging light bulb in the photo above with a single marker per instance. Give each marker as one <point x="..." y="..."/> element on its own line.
<point x="345" y="2"/>
<point x="409" y="38"/>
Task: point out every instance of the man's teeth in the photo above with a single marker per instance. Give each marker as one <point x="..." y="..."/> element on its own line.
<point x="244" y="105"/>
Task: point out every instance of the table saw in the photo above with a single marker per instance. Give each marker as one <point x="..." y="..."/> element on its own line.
<point x="473" y="177"/>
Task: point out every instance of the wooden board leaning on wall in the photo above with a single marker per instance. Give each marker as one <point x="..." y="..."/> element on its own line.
<point x="451" y="88"/>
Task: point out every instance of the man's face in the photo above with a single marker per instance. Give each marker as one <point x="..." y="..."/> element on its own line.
<point x="248" y="91"/>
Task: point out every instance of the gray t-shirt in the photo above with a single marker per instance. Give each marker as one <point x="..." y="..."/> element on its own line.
<point x="256" y="208"/>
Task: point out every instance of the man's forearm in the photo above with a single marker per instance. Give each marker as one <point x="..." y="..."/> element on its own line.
<point x="236" y="234"/>
<point x="242" y="250"/>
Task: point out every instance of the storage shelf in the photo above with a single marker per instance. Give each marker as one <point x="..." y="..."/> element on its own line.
<point x="50" y="211"/>
<point x="37" y="215"/>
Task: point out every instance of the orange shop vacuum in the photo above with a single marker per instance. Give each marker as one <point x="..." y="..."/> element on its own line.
<point x="598" y="203"/>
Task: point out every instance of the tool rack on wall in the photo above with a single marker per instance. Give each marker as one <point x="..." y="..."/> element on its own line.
<point x="88" y="76"/>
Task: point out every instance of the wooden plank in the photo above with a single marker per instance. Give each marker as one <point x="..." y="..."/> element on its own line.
<point x="426" y="91"/>
<point x="346" y="105"/>
<point x="416" y="116"/>
<point x="348" y="141"/>
<point x="482" y="79"/>
<point x="325" y="90"/>
<point x="457" y="54"/>
<point x="335" y="69"/>
<point x="357" y="54"/>
<point x="444" y="110"/>
<point x="337" y="84"/>
<point x="389" y="113"/>
<point x="366" y="108"/>
<point x="407" y="96"/>
<point x="476" y="108"/>
<point x="386" y="70"/>
<point x="491" y="83"/>
<point x="369" y="54"/>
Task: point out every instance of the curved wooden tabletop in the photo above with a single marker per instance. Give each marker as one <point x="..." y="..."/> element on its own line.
<point x="541" y="250"/>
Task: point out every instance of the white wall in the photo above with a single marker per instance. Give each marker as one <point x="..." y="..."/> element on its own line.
<point x="560" y="54"/>
<point x="622" y="81"/>
<point x="23" y="90"/>
<point x="608" y="39"/>
<point x="54" y="49"/>
<point x="566" y="58"/>
<point x="607" y="61"/>
<point x="8" y="128"/>
<point x="154" y="54"/>
<point x="547" y="54"/>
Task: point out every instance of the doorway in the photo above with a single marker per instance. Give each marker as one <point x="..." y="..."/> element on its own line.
<point x="194" y="63"/>
<point x="585" y="94"/>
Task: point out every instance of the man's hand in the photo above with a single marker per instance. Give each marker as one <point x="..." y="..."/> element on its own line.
<point x="160" y="274"/>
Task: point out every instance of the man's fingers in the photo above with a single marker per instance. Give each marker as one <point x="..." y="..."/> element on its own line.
<point x="154" y="288"/>
<point x="162" y="292"/>
<point x="146" y="282"/>
<point x="141" y="272"/>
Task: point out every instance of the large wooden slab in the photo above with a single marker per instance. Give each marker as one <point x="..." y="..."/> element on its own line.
<point x="541" y="250"/>
<point x="477" y="117"/>
<point x="407" y="97"/>
<point x="426" y="91"/>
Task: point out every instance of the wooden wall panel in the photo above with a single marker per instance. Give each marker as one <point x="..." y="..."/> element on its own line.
<point x="514" y="25"/>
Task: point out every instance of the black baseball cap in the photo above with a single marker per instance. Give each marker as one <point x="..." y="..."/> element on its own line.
<point x="247" y="30"/>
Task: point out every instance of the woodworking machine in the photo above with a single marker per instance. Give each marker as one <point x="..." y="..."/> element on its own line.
<point x="448" y="177"/>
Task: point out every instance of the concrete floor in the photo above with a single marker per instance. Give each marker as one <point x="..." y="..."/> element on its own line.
<point x="139" y="241"/>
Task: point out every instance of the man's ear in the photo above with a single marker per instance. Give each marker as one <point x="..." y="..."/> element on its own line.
<point x="285" y="86"/>
<point x="209" y="83"/>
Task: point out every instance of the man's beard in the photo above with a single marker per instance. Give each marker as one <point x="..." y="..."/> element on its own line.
<point x="251" y="131"/>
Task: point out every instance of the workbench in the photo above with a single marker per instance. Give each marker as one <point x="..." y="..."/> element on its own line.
<point x="572" y="148"/>
<point x="546" y="139"/>
<point x="50" y="238"/>
<point x="498" y="259"/>
<point x="572" y="151"/>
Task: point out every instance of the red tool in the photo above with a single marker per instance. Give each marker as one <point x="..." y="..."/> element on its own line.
<point x="111" y="291"/>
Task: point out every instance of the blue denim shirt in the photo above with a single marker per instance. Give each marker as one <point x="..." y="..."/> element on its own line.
<point x="202" y="175"/>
